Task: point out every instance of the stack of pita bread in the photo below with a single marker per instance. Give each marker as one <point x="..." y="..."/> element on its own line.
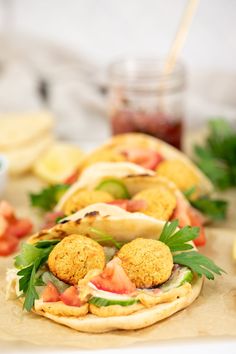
<point x="24" y="137"/>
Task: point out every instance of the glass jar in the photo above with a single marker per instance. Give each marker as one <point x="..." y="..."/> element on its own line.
<point x="142" y="98"/>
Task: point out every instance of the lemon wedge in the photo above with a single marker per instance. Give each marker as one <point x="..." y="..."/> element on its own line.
<point x="58" y="163"/>
<point x="234" y="250"/>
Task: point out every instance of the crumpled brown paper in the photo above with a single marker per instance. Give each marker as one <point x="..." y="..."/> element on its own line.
<point x="212" y="314"/>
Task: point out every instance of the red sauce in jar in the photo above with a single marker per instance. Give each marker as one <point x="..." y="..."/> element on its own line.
<point x="156" y="124"/>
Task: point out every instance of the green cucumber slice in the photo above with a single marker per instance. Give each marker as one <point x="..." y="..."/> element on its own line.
<point x="100" y="302"/>
<point x="115" y="187"/>
<point x="49" y="277"/>
<point x="180" y="276"/>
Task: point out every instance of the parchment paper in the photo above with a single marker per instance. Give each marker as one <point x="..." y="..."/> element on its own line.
<point x="212" y="314"/>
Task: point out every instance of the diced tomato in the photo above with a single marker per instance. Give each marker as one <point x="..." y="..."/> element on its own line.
<point x="114" y="279"/>
<point x="72" y="178"/>
<point x="20" y="228"/>
<point x="129" y="205"/>
<point x="50" y="293"/>
<point x="122" y="203"/>
<point x="70" y="297"/>
<point x="136" y="205"/>
<point x="181" y="213"/>
<point x="197" y="219"/>
<point x="8" y="245"/>
<point x="146" y="158"/>
<point x="51" y="218"/>
<point x="3" y="225"/>
<point x="7" y="211"/>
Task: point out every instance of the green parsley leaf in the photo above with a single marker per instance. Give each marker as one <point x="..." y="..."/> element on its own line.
<point x="217" y="158"/>
<point x="105" y="238"/>
<point x="31" y="258"/>
<point x="46" y="243"/>
<point x="198" y="263"/>
<point x="47" y="199"/>
<point x="216" y="209"/>
<point x="27" y="256"/>
<point x="178" y="240"/>
<point x="31" y="294"/>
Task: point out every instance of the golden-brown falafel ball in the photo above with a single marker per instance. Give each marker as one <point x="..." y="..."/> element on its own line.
<point x="147" y="262"/>
<point x="85" y="197"/>
<point x="179" y="172"/>
<point x="105" y="154"/>
<point x="161" y="202"/>
<point x="74" y="256"/>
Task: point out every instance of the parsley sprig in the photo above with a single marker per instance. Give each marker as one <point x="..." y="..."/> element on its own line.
<point x="48" y="197"/>
<point x="215" y="209"/>
<point x="198" y="263"/>
<point x="31" y="258"/>
<point x="178" y="241"/>
<point x="217" y="158"/>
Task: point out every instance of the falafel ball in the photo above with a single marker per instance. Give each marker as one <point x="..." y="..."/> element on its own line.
<point x="161" y="202"/>
<point x="147" y="262"/>
<point x="179" y="172"/>
<point x="83" y="198"/>
<point x="74" y="256"/>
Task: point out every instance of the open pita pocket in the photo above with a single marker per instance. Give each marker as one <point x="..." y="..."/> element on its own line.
<point x="162" y="201"/>
<point x="113" y="150"/>
<point x="109" y="218"/>
<point x="123" y="226"/>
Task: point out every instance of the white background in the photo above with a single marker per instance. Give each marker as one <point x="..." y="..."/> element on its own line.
<point x="104" y="29"/>
<point x="98" y="31"/>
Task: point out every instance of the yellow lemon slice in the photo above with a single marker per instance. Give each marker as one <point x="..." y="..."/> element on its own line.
<point x="58" y="163"/>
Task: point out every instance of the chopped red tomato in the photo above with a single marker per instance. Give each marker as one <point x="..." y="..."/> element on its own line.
<point x="7" y="211"/>
<point x="72" y="178"/>
<point x="122" y="203"/>
<point x="197" y="219"/>
<point x="129" y="205"/>
<point x="3" y="225"/>
<point x="181" y="213"/>
<point x="51" y="219"/>
<point x="50" y="293"/>
<point x="146" y="158"/>
<point x="20" y="228"/>
<point x="11" y="229"/>
<point x="114" y="279"/>
<point x="136" y="205"/>
<point x="70" y="297"/>
<point x="8" y="245"/>
<point x="187" y="215"/>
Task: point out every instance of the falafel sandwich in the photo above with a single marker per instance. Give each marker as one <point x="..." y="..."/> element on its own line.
<point x="104" y="268"/>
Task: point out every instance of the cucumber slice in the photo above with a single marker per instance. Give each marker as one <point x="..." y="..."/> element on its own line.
<point x="49" y="277"/>
<point x="115" y="187"/>
<point x="180" y="276"/>
<point x="100" y="302"/>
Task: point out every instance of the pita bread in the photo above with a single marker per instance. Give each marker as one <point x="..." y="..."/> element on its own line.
<point x="133" y="225"/>
<point x="93" y="174"/>
<point x="119" y="143"/>
<point x="22" y="129"/>
<point x="135" y="178"/>
<point x="140" y="319"/>
<point x="22" y="159"/>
